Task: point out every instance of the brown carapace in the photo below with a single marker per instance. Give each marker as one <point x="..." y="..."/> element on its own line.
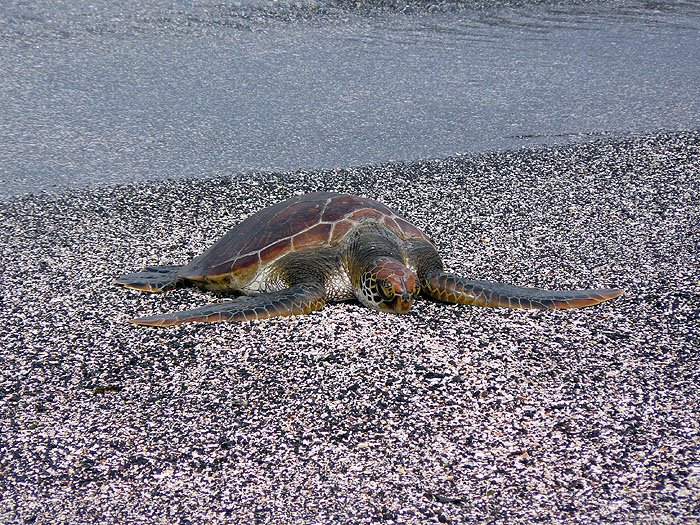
<point x="293" y="257"/>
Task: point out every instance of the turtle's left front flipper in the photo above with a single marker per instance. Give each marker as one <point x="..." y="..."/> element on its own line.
<point x="454" y="289"/>
<point x="299" y="299"/>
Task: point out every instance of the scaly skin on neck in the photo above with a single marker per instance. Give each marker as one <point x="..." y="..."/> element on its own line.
<point x="376" y="264"/>
<point x="369" y="243"/>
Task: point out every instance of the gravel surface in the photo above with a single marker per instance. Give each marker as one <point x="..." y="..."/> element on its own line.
<point x="450" y="414"/>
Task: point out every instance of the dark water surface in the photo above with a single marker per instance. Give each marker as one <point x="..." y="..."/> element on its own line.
<point x="108" y="92"/>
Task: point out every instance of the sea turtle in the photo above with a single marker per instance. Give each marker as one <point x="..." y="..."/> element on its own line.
<point x="293" y="257"/>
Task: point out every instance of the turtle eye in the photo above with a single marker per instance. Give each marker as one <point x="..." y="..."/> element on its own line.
<point x="385" y="289"/>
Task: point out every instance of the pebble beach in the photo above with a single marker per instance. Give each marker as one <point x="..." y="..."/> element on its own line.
<point x="450" y="414"/>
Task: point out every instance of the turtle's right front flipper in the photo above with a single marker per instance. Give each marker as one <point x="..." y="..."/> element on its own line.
<point x="454" y="289"/>
<point x="153" y="279"/>
<point x="297" y="300"/>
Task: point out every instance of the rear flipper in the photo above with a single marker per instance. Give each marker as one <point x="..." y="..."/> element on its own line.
<point x="300" y="299"/>
<point x="152" y="279"/>
<point x="453" y="289"/>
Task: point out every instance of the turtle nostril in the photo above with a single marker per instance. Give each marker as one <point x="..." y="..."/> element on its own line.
<point x="402" y="303"/>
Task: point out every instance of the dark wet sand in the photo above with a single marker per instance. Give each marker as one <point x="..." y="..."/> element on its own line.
<point x="450" y="414"/>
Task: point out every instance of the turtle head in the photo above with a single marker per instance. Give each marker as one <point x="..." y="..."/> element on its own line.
<point x="388" y="286"/>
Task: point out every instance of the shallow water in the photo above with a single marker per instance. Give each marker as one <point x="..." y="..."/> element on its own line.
<point x="115" y="92"/>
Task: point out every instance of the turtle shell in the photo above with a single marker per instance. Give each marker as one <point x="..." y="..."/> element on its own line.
<point x="309" y="221"/>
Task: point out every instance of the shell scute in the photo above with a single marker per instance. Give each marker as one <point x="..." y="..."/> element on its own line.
<point x="287" y="222"/>
<point x="313" y="237"/>
<point x="366" y="213"/>
<point x="245" y="268"/>
<point x="409" y="230"/>
<point x="341" y="206"/>
<point x="276" y="250"/>
<point x="340" y="229"/>
<point x="391" y="224"/>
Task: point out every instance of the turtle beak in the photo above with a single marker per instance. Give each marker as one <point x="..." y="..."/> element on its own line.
<point x="403" y="303"/>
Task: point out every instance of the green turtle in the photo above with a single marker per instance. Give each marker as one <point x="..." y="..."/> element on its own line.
<point x="295" y="256"/>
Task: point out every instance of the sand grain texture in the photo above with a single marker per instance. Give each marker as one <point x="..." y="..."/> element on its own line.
<point x="451" y="414"/>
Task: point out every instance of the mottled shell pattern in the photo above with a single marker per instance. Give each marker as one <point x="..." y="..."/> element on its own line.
<point x="312" y="221"/>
